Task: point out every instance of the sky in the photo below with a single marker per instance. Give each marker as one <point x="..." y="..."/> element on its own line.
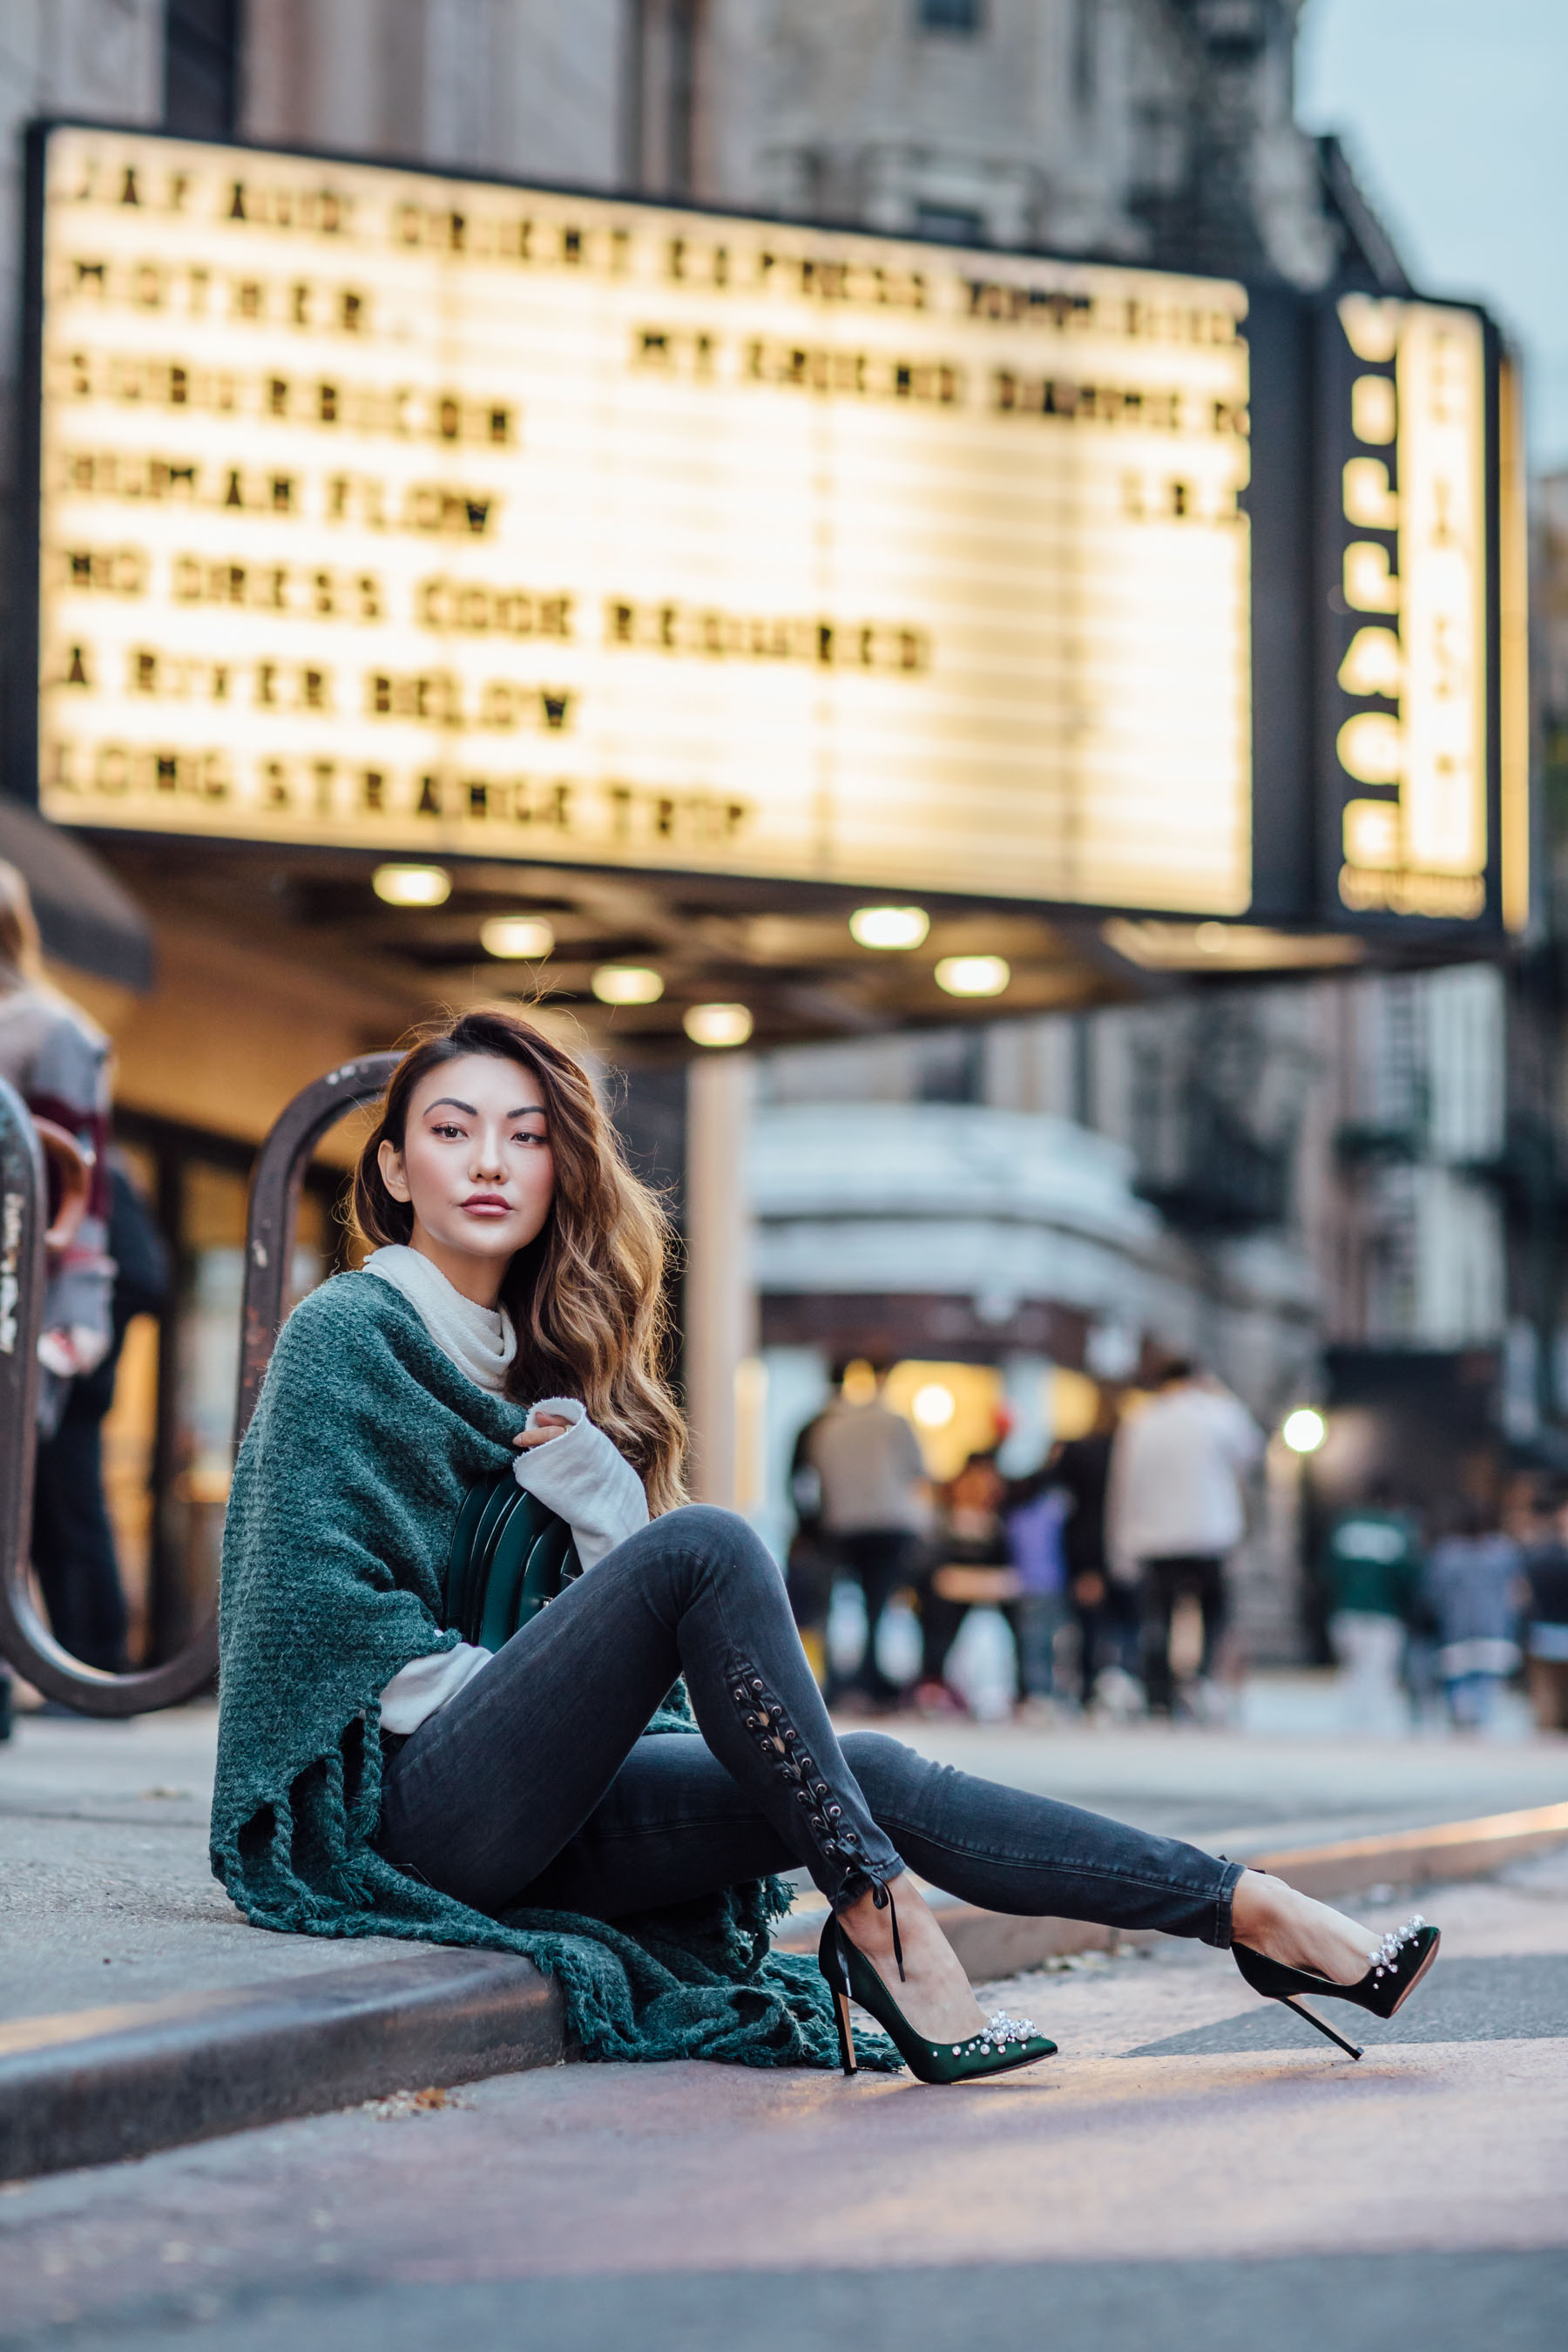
<point x="1455" y="113"/>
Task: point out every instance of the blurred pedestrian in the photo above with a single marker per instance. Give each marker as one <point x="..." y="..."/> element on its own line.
<point x="1176" y="1508"/>
<point x="809" y="1565"/>
<point x="1035" y="1513"/>
<point x="57" y="1060"/>
<point x="73" y="1541"/>
<point x="1372" y="1573"/>
<point x="1546" y="1635"/>
<point x="1104" y="1605"/>
<point x="973" y="1569"/>
<point x="1473" y="1582"/>
<point x="874" y="1507"/>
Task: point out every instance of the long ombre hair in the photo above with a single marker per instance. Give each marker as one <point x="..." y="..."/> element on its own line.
<point x="587" y="1294"/>
<point x="21" y="957"/>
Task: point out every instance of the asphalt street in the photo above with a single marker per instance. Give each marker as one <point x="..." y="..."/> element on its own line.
<point x="1193" y="2169"/>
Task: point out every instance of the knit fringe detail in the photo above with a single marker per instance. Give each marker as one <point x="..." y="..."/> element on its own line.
<point x="700" y="1980"/>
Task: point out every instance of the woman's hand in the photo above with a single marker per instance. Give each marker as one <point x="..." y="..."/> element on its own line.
<point x="550" y="1424"/>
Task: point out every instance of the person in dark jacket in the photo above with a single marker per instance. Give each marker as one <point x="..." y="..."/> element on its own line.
<point x="1105" y="1608"/>
<point x="57" y="1060"/>
<point x="1546" y="1641"/>
<point x="73" y="1542"/>
<point x="1372" y="1573"/>
<point x="1473" y="1582"/>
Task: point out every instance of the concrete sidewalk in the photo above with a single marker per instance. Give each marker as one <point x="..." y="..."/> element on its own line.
<point x="137" y="2009"/>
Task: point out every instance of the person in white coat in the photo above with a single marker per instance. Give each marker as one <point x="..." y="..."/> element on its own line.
<point x="1176" y="1509"/>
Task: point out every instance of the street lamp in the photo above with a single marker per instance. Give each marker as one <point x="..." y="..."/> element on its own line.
<point x="1304" y="1429"/>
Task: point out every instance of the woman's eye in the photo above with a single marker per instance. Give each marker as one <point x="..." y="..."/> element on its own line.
<point x="523" y="1137"/>
<point x="447" y="1131"/>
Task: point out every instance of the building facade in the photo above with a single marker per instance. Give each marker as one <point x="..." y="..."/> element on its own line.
<point x="1247" y="1172"/>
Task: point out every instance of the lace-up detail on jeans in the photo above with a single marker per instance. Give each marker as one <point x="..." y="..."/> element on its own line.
<point x="837" y="1840"/>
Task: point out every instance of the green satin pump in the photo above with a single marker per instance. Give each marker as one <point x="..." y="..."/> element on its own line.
<point x="1006" y="2042"/>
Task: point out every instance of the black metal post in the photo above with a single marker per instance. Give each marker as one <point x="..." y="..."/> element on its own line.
<point x="274" y="1185"/>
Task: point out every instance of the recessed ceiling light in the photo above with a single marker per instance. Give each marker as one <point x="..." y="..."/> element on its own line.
<point x="412" y="885"/>
<point x="974" y="975"/>
<point x="717" y="1025"/>
<point x="510" y="936"/>
<point x="627" y="984"/>
<point x="889" y="927"/>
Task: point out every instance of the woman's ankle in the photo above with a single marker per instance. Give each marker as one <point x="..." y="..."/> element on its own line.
<point x="872" y="1921"/>
<point x="930" y="1988"/>
<point x="1275" y="1919"/>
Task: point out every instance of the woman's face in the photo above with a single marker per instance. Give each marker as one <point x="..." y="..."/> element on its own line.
<point x="476" y="1164"/>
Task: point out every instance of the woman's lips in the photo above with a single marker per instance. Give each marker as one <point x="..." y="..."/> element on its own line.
<point x="488" y="1204"/>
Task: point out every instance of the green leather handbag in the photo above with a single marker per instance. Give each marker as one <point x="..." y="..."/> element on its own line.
<point x="510" y="1554"/>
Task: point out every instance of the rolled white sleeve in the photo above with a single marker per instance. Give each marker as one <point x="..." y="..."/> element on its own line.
<point x="417" y="1690"/>
<point x="580" y="1475"/>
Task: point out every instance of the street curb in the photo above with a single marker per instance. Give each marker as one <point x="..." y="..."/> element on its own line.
<point x="993" y="1944"/>
<point x="97" y="2085"/>
<point x="1420" y="1857"/>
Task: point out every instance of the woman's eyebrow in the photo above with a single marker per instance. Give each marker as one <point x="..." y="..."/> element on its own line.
<point x="450" y="1102"/>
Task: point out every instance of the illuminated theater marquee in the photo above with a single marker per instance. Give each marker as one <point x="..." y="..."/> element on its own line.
<point x="403" y="514"/>
<point x="1410" y="728"/>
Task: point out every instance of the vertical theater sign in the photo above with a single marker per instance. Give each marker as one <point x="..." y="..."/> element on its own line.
<point x="1410" y="643"/>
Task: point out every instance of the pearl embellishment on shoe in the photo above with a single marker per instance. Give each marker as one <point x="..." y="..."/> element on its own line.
<point x="1385" y="1955"/>
<point x="1000" y="2031"/>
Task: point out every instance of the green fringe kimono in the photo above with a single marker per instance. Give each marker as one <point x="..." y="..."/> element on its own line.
<point x="364" y="1441"/>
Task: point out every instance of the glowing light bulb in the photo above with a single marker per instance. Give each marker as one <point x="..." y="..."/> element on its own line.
<point x="717" y="1025"/>
<point x="1304" y="1429"/>
<point x="627" y="984"/>
<point x="933" y="1405"/>
<point x="974" y="975"/>
<point x="511" y="937"/>
<point x="889" y="927"/>
<point x="412" y="885"/>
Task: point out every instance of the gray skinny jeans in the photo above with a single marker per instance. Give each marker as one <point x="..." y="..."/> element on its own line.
<point x="536" y="1785"/>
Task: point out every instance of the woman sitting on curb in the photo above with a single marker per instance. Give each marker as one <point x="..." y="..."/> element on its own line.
<point x="384" y="1769"/>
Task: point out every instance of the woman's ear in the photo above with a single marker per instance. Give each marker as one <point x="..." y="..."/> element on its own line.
<point x="389" y="1159"/>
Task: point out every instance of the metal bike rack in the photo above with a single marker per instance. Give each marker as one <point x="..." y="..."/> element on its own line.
<point x="273" y="1213"/>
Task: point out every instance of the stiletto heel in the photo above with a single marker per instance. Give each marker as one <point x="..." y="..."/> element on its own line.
<point x="845" y="2038"/>
<point x="1352" y="2049"/>
<point x="1006" y="2041"/>
<point x="1398" y="1965"/>
<point x="837" y="1976"/>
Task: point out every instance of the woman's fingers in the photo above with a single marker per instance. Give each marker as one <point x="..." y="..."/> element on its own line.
<point x="550" y="1424"/>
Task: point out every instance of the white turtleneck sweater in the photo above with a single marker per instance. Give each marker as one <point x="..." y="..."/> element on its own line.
<point x="579" y="1474"/>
